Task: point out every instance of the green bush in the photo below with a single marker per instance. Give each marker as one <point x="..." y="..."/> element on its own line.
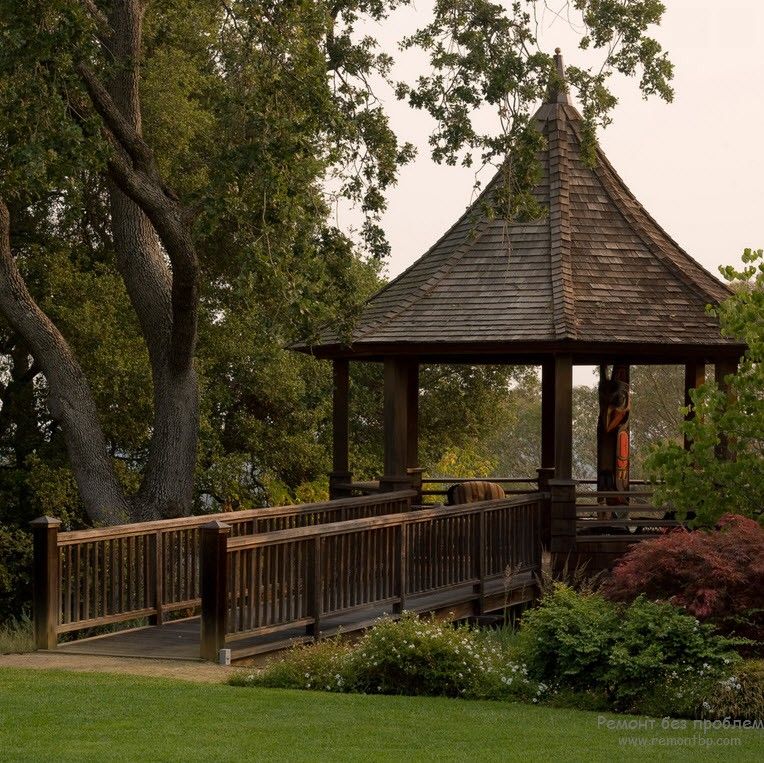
<point x="567" y="639"/>
<point x="411" y="655"/>
<point x="657" y="642"/>
<point x="585" y="643"/>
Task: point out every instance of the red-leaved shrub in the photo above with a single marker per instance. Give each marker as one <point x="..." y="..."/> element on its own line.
<point x="716" y="575"/>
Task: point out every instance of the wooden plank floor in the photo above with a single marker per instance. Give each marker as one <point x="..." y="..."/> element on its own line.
<point x="179" y="640"/>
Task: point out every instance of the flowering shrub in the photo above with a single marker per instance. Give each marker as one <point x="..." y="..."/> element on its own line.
<point x="410" y="655"/>
<point x="717" y="575"/>
<point x="739" y="696"/>
<point x="657" y="642"/>
<point x="582" y="641"/>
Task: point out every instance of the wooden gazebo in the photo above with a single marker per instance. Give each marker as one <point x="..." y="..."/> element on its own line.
<point x="595" y="281"/>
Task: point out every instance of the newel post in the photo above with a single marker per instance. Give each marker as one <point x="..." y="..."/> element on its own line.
<point x="563" y="524"/>
<point x="45" y="581"/>
<point x="214" y="586"/>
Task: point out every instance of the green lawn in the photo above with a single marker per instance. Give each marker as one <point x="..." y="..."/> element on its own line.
<point x="51" y="715"/>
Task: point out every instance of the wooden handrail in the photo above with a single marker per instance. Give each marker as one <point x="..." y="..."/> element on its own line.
<point x="450" y="480"/>
<point x="230" y="517"/>
<point x="386" y="520"/>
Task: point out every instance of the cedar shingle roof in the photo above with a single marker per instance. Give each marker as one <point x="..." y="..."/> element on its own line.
<point x="596" y="269"/>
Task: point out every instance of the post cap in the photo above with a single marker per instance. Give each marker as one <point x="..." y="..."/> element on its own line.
<point x="216" y="526"/>
<point x="45" y="522"/>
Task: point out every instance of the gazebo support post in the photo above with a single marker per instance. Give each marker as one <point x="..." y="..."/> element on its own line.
<point x="395" y="475"/>
<point x="694" y="376"/>
<point x="340" y="476"/>
<point x="546" y="471"/>
<point x="562" y="487"/>
<point x="412" y="429"/>
<point x="723" y="368"/>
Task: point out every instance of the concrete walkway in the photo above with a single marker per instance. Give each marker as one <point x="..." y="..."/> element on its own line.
<point x="199" y="672"/>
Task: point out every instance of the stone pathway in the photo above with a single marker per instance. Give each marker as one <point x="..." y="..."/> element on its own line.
<point x="199" y="672"/>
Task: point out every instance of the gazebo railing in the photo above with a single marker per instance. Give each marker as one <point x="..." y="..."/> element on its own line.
<point x="614" y="515"/>
<point x="511" y="485"/>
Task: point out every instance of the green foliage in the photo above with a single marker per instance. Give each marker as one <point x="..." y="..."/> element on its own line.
<point x="701" y="480"/>
<point x="15" y="572"/>
<point x="657" y="641"/>
<point x="484" y="53"/>
<point x="582" y="642"/>
<point x="568" y="638"/>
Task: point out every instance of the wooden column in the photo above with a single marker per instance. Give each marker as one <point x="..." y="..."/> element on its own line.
<point x="546" y="471"/>
<point x="562" y="488"/>
<point x="413" y="469"/>
<point x="45" y="604"/>
<point x="563" y="417"/>
<point x="396" y="434"/>
<point x="213" y="574"/>
<point x="547" y="414"/>
<point x="340" y="474"/>
<point x="722" y="369"/>
<point x="694" y="376"/>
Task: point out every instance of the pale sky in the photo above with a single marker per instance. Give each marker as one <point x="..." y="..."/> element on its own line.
<point x="696" y="164"/>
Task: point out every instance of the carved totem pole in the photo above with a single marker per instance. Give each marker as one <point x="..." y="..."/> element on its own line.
<point x="613" y="431"/>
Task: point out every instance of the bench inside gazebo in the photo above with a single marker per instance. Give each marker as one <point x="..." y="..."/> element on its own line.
<point x="595" y="281"/>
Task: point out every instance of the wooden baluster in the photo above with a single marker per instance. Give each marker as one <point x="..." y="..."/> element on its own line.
<point x="314" y="586"/>
<point x="46" y="576"/>
<point x="403" y="561"/>
<point x="480" y="558"/>
<point x="68" y="592"/>
<point x="158" y="578"/>
<point x="253" y="589"/>
<point x="86" y="613"/>
<point x="235" y="591"/>
<point x="261" y="585"/>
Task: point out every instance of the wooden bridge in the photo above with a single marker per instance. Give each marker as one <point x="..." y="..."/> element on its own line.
<point x="257" y="580"/>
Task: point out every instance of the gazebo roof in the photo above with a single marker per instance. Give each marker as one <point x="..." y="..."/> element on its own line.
<point x="595" y="275"/>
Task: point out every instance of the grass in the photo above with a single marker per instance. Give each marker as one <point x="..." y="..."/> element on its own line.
<point x="55" y="715"/>
<point x="16" y="636"/>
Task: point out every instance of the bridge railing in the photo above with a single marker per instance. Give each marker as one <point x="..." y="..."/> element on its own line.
<point x="614" y="515"/>
<point x="105" y="576"/>
<point x="280" y="581"/>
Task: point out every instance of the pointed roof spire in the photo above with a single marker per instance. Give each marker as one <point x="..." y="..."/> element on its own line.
<point x="557" y="91"/>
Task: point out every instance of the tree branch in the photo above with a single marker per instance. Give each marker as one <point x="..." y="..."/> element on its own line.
<point x="133" y="169"/>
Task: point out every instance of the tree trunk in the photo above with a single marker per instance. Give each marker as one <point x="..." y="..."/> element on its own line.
<point x="167" y="485"/>
<point x="70" y="399"/>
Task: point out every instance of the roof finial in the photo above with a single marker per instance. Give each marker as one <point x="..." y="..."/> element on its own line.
<point x="557" y="91"/>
